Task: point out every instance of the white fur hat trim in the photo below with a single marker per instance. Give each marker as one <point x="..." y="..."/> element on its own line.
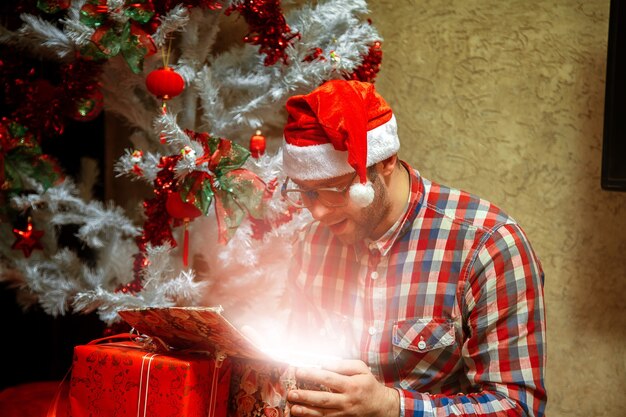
<point x="323" y="161"/>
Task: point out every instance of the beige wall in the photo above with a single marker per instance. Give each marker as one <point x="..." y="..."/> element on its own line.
<point x="505" y="99"/>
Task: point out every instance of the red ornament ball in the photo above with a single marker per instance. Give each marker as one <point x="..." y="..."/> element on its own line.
<point x="179" y="209"/>
<point x="165" y="83"/>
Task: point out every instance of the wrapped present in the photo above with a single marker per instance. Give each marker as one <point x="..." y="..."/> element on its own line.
<point x="260" y="380"/>
<point x="258" y="385"/>
<point x="124" y="379"/>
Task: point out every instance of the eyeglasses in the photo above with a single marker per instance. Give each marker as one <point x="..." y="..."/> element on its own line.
<point x="328" y="196"/>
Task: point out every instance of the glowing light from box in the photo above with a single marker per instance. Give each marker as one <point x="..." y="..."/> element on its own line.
<point x="300" y="359"/>
<point x="315" y="355"/>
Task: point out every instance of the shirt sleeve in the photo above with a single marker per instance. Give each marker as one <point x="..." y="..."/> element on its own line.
<point x="504" y="348"/>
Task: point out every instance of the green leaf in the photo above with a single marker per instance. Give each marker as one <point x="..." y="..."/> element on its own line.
<point x="17" y="130"/>
<point x="139" y="10"/>
<point x="27" y="164"/>
<point x="198" y="184"/>
<point x="12" y="173"/>
<point x="247" y="189"/>
<point x="204" y="197"/>
<point x="91" y="50"/>
<point x="229" y="212"/>
<point x="45" y="172"/>
<point x="52" y="6"/>
<point x="109" y="43"/>
<point x="133" y="50"/>
<point x="93" y="13"/>
<point x="234" y="159"/>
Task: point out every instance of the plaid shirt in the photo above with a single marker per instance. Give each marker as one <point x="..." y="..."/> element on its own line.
<point x="447" y="306"/>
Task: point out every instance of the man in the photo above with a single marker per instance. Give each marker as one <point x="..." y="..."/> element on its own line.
<point x="436" y="293"/>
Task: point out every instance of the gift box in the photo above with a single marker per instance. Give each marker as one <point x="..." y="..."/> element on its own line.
<point x="125" y="380"/>
<point x="258" y="385"/>
<point x="259" y="381"/>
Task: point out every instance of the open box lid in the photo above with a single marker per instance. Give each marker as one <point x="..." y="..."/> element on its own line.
<point x="196" y="328"/>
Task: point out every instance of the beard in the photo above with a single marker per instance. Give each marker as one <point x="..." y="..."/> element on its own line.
<point x="370" y="217"/>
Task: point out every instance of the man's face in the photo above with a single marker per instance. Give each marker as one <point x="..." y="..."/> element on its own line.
<point x="351" y="223"/>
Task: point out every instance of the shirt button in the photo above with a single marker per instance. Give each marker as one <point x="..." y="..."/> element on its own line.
<point x="421" y="344"/>
<point x="374" y="275"/>
<point x="372" y="331"/>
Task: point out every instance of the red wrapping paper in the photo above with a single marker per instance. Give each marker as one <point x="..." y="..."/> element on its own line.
<point x="122" y="380"/>
<point x="259" y="388"/>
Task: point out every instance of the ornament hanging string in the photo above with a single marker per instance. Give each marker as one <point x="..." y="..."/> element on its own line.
<point x="166" y="59"/>
<point x="184" y="211"/>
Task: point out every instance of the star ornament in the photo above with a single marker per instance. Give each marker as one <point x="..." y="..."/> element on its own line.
<point x="27" y="240"/>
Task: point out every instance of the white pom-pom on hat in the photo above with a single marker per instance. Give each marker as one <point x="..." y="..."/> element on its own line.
<point x="362" y="194"/>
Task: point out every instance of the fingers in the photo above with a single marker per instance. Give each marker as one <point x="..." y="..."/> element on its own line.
<point x="313" y="403"/>
<point x="329" y="379"/>
<point x="317" y="399"/>
<point x="334" y="375"/>
<point x="307" y="411"/>
<point x="347" y="367"/>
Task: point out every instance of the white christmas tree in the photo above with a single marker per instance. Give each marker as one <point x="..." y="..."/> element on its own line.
<point x="192" y="102"/>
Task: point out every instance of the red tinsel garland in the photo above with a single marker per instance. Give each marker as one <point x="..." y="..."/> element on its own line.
<point x="267" y="28"/>
<point x="43" y="95"/>
<point x="156" y="228"/>
<point x="139" y="264"/>
<point x="370" y="66"/>
<point x="316" y="53"/>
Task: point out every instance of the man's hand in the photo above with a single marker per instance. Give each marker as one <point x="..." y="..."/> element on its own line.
<point x="355" y="392"/>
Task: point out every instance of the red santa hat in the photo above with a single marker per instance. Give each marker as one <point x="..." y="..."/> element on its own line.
<point x="340" y="127"/>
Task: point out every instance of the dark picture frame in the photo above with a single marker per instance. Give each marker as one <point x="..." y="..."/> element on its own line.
<point x="613" y="177"/>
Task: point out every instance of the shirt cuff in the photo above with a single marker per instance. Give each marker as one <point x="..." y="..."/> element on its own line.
<point x="415" y="404"/>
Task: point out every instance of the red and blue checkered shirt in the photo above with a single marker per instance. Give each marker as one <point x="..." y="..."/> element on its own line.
<point x="447" y="307"/>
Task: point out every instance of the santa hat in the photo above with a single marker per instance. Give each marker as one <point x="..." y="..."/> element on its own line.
<point x="340" y="127"/>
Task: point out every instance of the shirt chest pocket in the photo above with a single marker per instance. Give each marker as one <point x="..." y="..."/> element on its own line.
<point x="422" y="347"/>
